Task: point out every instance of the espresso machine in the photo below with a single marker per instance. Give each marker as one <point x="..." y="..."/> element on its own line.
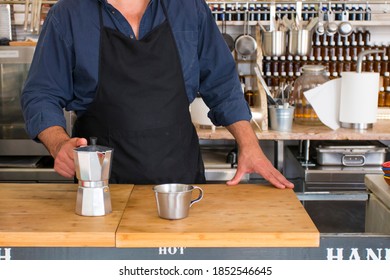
<point x="93" y="168"/>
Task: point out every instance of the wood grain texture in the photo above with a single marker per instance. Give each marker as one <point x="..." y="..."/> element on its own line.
<point x="43" y="215"/>
<point x="227" y="216"/>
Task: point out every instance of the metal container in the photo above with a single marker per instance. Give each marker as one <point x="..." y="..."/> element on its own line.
<point x="93" y="168"/>
<point x="174" y="200"/>
<point x="281" y="118"/>
<point x="300" y="42"/>
<point x="274" y="43"/>
<point x="350" y="155"/>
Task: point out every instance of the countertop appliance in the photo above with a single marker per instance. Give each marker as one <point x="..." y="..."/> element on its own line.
<point x="335" y="196"/>
<point x="21" y="159"/>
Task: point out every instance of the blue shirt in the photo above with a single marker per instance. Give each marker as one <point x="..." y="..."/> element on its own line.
<point x="64" y="70"/>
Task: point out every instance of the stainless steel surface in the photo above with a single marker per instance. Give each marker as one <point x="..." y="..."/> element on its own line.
<point x="93" y="163"/>
<point x="14" y="141"/>
<point x="361" y="55"/>
<point x="245" y="44"/>
<point x="357" y="126"/>
<point x="32" y="175"/>
<point x="93" y="201"/>
<point x="217" y="169"/>
<point x="174" y="200"/>
<point x="93" y="168"/>
<point x="274" y="43"/>
<point x="299" y="42"/>
<point x="333" y="196"/>
<point x="281" y="118"/>
<point x="351" y="155"/>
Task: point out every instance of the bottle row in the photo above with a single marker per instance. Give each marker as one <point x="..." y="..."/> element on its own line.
<point x="335" y="65"/>
<point x="257" y="11"/>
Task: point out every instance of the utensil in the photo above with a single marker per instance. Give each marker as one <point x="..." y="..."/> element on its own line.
<point x="174" y="200"/>
<point x="228" y="39"/>
<point x="281" y="117"/>
<point x="245" y="44"/>
<point x="273" y="43"/>
<point x="300" y="42"/>
<point x="93" y="168"/>
<point x="345" y="28"/>
<point x="312" y="23"/>
<point x="270" y="99"/>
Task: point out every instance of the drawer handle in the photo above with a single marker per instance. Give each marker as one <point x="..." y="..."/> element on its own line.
<point x="353" y="160"/>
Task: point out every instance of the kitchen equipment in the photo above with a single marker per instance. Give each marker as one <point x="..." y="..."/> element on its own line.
<point x="93" y="168"/>
<point x="359" y="96"/>
<point x="227" y="37"/>
<point x="245" y="44"/>
<point x="174" y="200"/>
<point x="312" y="76"/>
<point x="270" y="99"/>
<point x="335" y="196"/>
<point x="351" y="154"/>
<point x="274" y="43"/>
<point x="281" y="117"/>
<point x="14" y="141"/>
<point x="5" y="21"/>
<point x="330" y="28"/>
<point x="345" y="28"/>
<point x="299" y="42"/>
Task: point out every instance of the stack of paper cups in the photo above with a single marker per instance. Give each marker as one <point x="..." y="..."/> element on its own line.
<point x="359" y="99"/>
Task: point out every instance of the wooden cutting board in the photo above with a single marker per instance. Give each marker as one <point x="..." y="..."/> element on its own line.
<point x="43" y="215"/>
<point x="227" y="216"/>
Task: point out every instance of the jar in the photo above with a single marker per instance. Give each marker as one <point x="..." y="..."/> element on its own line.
<point x="312" y="76"/>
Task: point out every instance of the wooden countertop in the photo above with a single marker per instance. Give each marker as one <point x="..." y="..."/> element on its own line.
<point x="380" y="131"/>
<point x="227" y="216"/>
<point x="43" y="215"/>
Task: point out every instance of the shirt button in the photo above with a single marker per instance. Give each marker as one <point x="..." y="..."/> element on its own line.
<point x="131" y="36"/>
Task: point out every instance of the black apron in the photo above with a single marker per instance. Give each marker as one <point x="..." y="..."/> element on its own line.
<point x="142" y="111"/>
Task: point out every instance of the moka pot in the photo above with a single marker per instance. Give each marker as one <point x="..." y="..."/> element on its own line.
<point x="93" y="168"/>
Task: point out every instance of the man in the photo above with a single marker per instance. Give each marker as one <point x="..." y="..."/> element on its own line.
<point x="130" y="69"/>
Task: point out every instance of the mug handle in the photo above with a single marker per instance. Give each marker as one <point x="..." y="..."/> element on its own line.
<point x="199" y="198"/>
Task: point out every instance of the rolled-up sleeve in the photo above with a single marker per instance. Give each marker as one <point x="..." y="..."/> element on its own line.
<point x="220" y="87"/>
<point x="48" y="87"/>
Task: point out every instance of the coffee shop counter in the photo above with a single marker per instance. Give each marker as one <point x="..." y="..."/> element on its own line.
<point x="38" y="221"/>
<point x="379" y="131"/>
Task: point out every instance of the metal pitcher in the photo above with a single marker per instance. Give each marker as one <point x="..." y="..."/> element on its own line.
<point x="93" y="169"/>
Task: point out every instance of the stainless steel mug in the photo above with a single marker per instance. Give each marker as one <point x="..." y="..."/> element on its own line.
<point x="273" y="43"/>
<point x="299" y="42"/>
<point x="175" y="200"/>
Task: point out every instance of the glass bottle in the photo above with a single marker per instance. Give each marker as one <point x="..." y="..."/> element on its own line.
<point x="249" y="96"/>
<point x="381" y="97"/>
<point x="387" y="101"/>
<point x="312" y="76"/>
<point x="386" y="79"/>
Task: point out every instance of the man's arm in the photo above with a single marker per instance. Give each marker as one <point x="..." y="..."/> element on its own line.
<point x="251" y="158"/>
<point x="61" y="146"/>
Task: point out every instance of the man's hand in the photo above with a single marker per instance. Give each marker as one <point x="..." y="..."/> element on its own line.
<point x="61" y="146"/>
<point x="252" y="159"/>
<point x="64" y="161"/>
